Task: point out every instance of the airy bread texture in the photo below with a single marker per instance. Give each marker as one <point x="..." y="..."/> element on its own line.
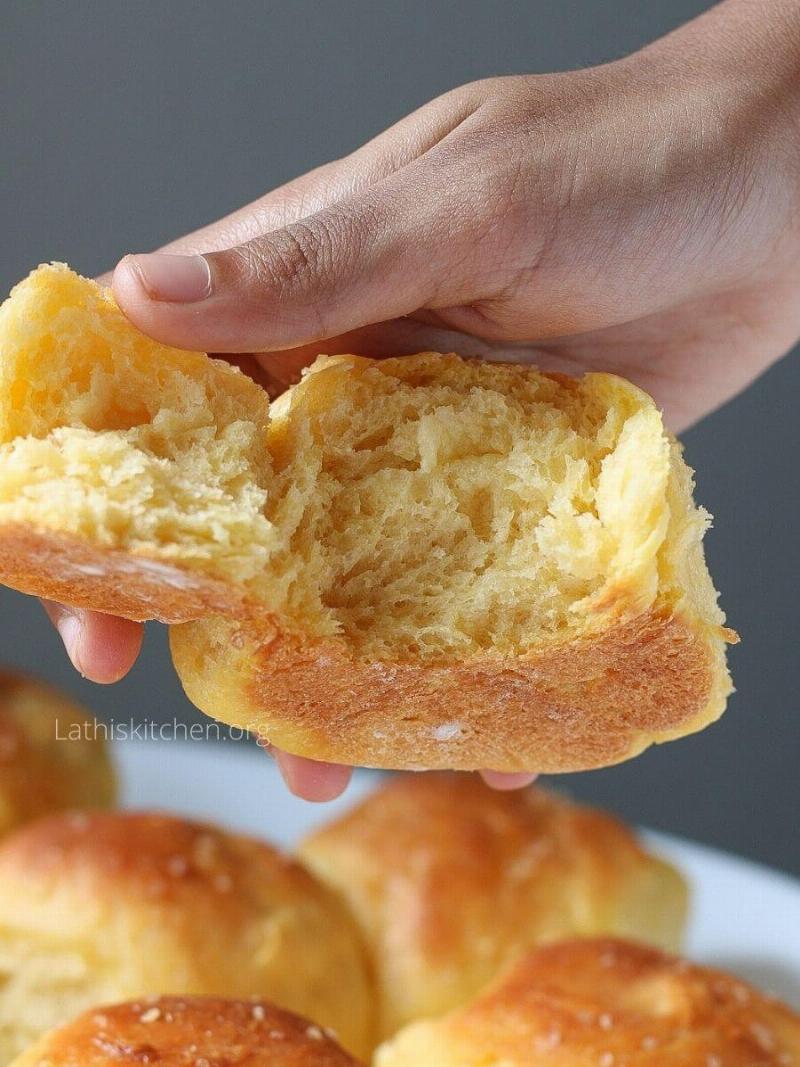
<point x="51" y="756"/>
<point x="451" y="880"/>
<point x="105" y="907"/>
<point x="187" y="1032"/>
<point x="606" y="1004"/>
<point x="132" y="476"/>
<point x="424" y="561"/>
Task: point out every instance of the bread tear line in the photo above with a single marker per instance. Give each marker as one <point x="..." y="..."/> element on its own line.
<point x="395" y="547"/>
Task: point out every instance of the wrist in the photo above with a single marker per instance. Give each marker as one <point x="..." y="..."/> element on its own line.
<point x="726" y="87"/>
<point x="742" y="54"/>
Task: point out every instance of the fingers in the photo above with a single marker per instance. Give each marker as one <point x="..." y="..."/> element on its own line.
<point x="310" y="779"/>
<point x="101" y="647"/>
<point x="367" y="260"/>
<point x="389" y="152"/>
<point x="276" y="371"/>
<point x="362" y="240"/>
<point x="501" y="780"/>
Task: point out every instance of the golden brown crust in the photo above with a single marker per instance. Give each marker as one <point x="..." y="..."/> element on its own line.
<point x="150" y="856"/>
<point x="187" y="1032"/>
<point x="607" y="1003"/>
<point x="572" y="707"/>
<point x="451" y="880"/>
<point x="72" y="570"/>
<point x="51" y="757"/>
<point x="153" y="904"/>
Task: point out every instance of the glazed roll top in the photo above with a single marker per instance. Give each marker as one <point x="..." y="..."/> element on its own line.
<point x="187" y="1032"/>
<point x="104" y="907"/>
<point x="605" y="1003"/>
<point x="451" y="880"/>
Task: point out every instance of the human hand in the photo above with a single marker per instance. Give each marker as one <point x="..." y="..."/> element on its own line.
<point x="639" y="217"/>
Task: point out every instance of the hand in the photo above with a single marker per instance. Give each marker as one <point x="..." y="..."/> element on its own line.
<point x="639" y="217"/>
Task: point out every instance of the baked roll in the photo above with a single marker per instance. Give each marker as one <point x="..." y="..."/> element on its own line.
<point x="451" y="880"/>
<point x="425" y="561"/>
<point x="606" y="1004"/>
<point x="97" y="908"/>
<point x="187" y="1032"/>
<point x="51" y="754"/>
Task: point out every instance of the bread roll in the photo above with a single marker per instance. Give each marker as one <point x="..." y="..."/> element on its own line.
<point x="424" y="561"/>
<point x="106" y="907"/>
<point x="606" y="1004"/>
<point x="51" y="755"/>
<point x="451" y="880"/>
<point x="132" y="476"/>
<point x="187" y="1032"/>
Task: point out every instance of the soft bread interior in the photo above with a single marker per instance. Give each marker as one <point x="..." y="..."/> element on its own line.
<point x="430" y="506"/>
<point x="425" y="506"/>
<point x="109" y="437"/>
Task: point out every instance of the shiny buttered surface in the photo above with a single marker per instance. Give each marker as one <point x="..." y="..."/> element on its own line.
<point x="426" y="561"/>
<point x="605" y="1003"/>
<point x="102" y="907"/>
<point x="451" y="880"/>
<point x="52" y="753"/>
<point x="187" y="1032"/>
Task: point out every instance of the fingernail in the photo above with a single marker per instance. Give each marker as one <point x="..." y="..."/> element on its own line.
<point x="69" y="630"/>
<point x="172" y="279"/>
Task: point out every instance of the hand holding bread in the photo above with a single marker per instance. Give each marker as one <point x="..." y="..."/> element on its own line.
<point x="400" y="557"/>
<point x="425" y="561"/>
<point x="451" y="231"/>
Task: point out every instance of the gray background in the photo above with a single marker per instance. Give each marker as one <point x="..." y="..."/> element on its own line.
<point x="127" y="123"/>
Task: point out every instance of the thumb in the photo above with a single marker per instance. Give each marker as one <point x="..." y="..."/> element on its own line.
<point x="359" y="261"/>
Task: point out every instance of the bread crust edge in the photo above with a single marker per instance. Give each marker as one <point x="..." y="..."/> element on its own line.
<point x="586" y="703"/>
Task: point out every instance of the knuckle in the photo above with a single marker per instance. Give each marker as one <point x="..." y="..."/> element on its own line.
<point x="299" y="254"/>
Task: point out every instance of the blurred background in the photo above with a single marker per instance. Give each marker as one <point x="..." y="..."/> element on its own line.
<point x="125" y="125"/>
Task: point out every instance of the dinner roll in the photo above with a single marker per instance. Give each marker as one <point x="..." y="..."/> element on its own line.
<point x="52" y="755"/>
<point x="606" y="1004"/>
<point x="187" y="1032"/>
<point x="425" y="561"/>
<point x="109" y="906"/>
<point x="450" y="880"/>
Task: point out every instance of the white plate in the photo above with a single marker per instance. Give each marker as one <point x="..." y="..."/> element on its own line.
<point x="746" y="918"/>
